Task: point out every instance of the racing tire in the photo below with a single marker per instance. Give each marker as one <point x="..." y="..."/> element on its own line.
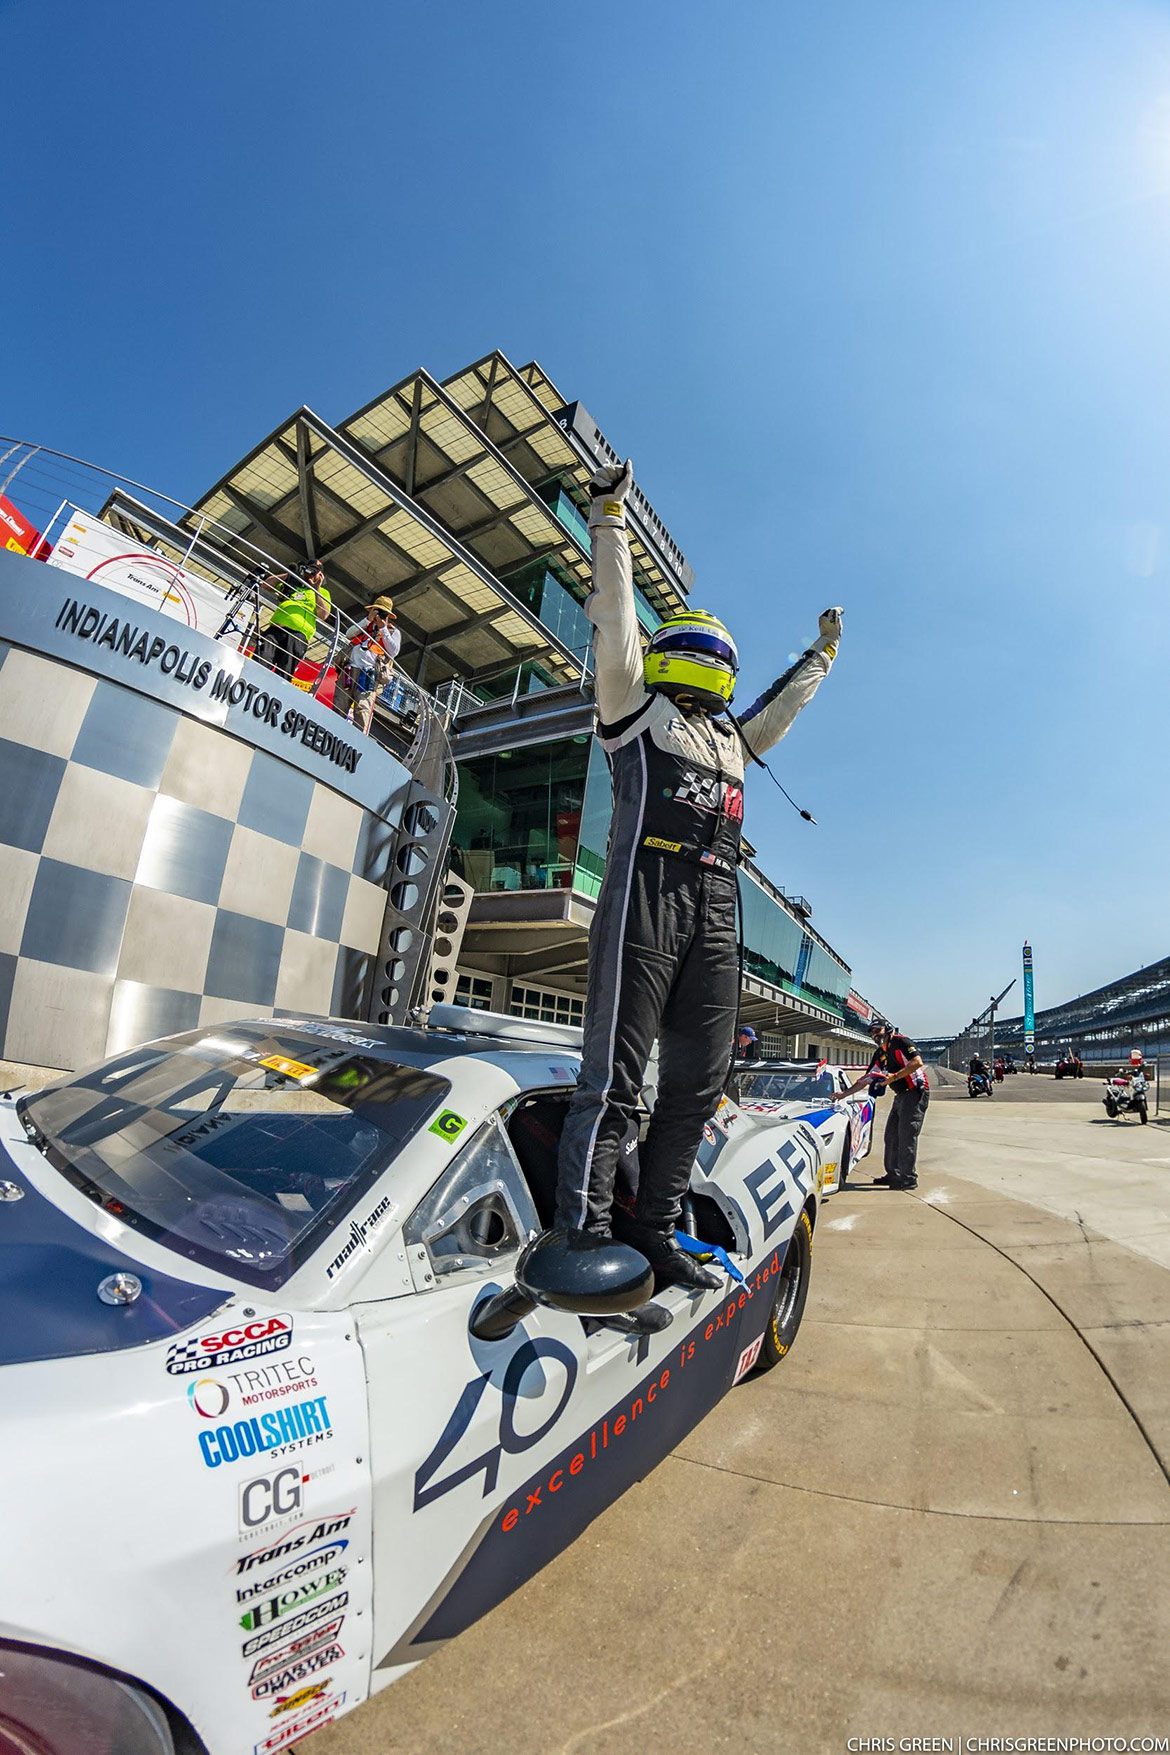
<point x="789" y="1298"/>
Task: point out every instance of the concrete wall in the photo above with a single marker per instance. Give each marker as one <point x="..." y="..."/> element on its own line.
<point x="168" y="859"/>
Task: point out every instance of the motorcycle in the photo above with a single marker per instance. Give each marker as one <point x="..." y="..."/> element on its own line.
<point x="978" y="1085"/>
<point x="1126" y="1096"/>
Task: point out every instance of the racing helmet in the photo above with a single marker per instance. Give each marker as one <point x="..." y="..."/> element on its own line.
<point x="693" y="654"/>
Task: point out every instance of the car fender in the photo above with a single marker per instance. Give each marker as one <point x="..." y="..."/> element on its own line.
<point x="144" y="1490"/>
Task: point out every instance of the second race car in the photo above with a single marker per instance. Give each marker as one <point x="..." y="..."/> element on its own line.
<point x="789" y="1089"/>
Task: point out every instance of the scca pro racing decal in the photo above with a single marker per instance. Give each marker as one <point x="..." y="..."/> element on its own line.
<point x="286" y="1429"/>
<point x="286" y="1658"/>
<point x="230" y="1346"/>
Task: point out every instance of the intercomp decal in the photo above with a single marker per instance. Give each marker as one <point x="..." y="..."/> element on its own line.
<point x="284" y="1430"/>
<point x="230" y="1346"/>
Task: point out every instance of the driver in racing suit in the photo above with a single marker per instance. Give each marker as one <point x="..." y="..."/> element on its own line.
<point x="663" y="946"/>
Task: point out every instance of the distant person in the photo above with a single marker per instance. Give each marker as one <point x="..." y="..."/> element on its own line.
<point x="369" y="664"/>
<point x="897" y="1062"/>
<point x="747" y="1045"/>
<point x="976" y="1065"/>
<point x="294" y="622"/>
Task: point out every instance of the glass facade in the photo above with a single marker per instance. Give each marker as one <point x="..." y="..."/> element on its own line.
<point x="538" y="818"/>
<point x="778" y="949"/>
<point x="519" y="818"/>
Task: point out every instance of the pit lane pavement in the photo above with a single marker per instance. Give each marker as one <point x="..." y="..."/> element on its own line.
<point x="947" y="1513"/>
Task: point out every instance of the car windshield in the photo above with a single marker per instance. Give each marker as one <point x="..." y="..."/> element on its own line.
<point x="787" y="1087"/>
<point x="239" y="1149"/>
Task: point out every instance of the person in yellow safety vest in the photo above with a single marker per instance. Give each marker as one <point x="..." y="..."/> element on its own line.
<point x="294" y="622"/>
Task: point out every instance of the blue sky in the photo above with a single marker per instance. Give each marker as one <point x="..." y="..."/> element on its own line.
<point x="875" y="295"/>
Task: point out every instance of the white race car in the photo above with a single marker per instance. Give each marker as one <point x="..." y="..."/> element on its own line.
<point x="806" y="1088"/>
<point x="255" y="1461"/>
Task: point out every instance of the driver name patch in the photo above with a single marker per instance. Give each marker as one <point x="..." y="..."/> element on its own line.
<point x="448" y="1125"/>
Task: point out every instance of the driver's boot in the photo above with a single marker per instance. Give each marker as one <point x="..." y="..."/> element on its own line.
<point x="672" y="1265"/>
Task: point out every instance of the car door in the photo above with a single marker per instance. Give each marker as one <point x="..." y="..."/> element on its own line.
<point x="489" y="1457"/>
<point x="454" y="1421"/>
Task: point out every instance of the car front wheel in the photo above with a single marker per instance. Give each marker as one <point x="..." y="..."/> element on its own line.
<point x="789" y="1297"/>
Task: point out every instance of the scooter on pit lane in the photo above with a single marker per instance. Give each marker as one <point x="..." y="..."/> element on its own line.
<point x="978" y="1085"/>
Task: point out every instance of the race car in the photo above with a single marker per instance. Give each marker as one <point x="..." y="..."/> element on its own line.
<point x="806" y="1088"/>
<point x="257" y="1462"/>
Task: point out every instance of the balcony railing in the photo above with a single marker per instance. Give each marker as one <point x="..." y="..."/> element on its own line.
<point x="49" y="488"/>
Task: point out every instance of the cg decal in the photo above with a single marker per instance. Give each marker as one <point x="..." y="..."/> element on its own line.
<point x="427" y="1489"/>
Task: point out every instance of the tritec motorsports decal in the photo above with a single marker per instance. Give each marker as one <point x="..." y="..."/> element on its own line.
<point x="284" y="1430"/>
<point x="210" y="1397"/>
<point x="359" y="1231"/>
<point x="325" y="1610"/>
<point x="251" y="1339"/>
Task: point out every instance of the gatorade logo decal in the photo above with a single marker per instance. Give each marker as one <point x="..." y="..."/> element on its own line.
<point x="448" y="1125"/>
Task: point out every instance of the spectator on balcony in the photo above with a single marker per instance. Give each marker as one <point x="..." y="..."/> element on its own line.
<point x="294" y="622"/>
<point x="368" y="664"/>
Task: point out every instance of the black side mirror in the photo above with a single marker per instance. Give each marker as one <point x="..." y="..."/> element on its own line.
<point x="572" y="1271"/>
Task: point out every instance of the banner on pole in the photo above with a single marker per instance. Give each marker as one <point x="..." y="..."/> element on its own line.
<point x="98" y="552"/>
<point x="1029" y="1009"/>
<point x="15" y="530"/>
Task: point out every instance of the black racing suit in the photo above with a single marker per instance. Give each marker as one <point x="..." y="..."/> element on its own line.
<point x="663" y="946"/>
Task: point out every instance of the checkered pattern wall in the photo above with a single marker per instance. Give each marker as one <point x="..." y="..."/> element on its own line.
<point x="157" y="873"/>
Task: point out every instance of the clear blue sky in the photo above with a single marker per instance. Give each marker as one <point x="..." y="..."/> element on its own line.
<point x="875" y="295"/>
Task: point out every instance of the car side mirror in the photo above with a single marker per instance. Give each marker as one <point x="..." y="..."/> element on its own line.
<point x="571" y="1271"/>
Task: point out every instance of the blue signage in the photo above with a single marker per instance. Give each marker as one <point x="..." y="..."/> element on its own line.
<point x="1029" y="1009"/>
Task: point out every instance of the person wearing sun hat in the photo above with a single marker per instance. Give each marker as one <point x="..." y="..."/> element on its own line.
<point x="368" y="664"/>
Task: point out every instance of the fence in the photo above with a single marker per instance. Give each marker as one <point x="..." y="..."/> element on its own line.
<point x="51" y="486"/>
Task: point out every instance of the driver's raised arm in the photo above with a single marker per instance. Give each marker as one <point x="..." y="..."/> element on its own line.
<point x="617" y="649"/>
<point x="768" y="718"/>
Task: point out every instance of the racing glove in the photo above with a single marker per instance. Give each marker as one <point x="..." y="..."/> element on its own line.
<point x="610" y="487"/>
<point x="830" y="634"/>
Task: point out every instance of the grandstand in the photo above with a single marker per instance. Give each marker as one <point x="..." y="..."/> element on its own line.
<point x="1133" y="1012"/>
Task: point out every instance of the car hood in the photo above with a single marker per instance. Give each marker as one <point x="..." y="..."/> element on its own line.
<point x="50" y="1271"/>
<point x="816" y="1114"/>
